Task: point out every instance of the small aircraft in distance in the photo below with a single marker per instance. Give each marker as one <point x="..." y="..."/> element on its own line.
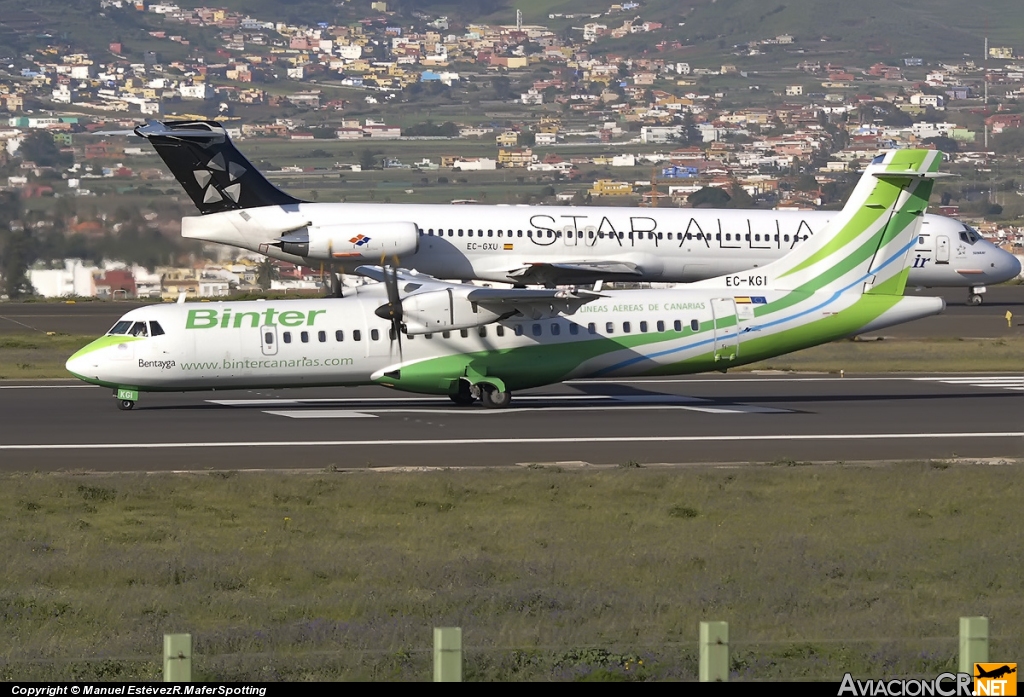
<point x="415" y="333"/>
<point x="522" y="245"/>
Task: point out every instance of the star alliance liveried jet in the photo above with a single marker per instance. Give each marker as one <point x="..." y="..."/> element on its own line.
<point x="415" y="333"/>
<point x="522" y="245"/>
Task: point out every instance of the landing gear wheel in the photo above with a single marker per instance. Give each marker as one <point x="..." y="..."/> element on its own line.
<point x="975" y="299"/>
<point x="125" y="404"/>
<point x="491" y="398"/>
<point x="464" y="397"/>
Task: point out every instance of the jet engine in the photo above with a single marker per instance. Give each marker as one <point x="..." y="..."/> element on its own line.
<point x="350" y="241"/>
<point x="445" y="310"/>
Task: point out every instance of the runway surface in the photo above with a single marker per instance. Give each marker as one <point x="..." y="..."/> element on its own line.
<point x="718" y="419"/>
<point x="959" y="319"/>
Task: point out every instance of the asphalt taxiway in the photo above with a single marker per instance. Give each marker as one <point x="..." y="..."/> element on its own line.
<point x="744" y="418"/>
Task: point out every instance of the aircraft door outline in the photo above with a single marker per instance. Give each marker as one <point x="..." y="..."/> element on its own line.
<point x="942" y="249"/>
<point x="727" y="334"/>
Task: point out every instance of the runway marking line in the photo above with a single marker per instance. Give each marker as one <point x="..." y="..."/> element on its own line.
<point x="514" y="441"/>
<point x="43" y="387"/>
<point x="370" y="412"/>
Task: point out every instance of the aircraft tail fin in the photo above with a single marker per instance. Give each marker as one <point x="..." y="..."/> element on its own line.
<point x="864" y="249"/>
<point x="214" y="174"/>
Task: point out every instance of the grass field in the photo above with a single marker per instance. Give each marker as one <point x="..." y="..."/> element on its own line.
<point x="562" y="575"/>
<point x="33" y="356"/>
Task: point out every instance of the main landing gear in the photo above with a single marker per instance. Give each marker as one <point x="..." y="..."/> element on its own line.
<point x="489" y="395"/>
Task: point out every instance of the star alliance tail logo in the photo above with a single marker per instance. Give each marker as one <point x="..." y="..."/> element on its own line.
<point x="360" y="240"/>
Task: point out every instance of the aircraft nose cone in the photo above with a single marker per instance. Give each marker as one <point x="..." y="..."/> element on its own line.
<point x="74" y="365"/>
<point x="1013" y="266"/>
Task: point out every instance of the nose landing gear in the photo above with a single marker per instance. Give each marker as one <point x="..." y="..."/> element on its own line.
<point x="975" y="295"/>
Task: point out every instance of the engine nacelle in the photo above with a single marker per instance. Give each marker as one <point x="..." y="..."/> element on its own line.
<point x="444" y="310"/>
<point x="351" y="241"/>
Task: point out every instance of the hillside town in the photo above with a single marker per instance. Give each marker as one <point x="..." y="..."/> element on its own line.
<point x="592" y="124"/>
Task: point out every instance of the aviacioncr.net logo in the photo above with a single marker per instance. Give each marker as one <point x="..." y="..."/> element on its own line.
<point x="945" y="685"/>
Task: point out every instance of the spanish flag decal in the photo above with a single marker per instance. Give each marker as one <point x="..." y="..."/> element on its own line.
<point x="508" y="247"/>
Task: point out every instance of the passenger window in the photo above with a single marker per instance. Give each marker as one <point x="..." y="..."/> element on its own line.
<point x="287" y="337"/>
<point x="464" y="333"/>
<point x="694" y="325"/>
<point x="155" y="329"/>
<point x="339" y="335"/>
<point x="483" y="332"/>
<point x="374" y="335"/>
<point x="500" y="330"/>
<point x="304" y="336"/>
<point x="446" y="335"/>
<point x="643" y="326"/>
<point x="519" y="330"/>
<point x="661" y="326"/>
<point x="536" y="330"/>
<point x="591" y="328"/>
<point x="357" y="335"/>
<point x="428" y="336"/>
<point x="555" y="329"/>
<point x="677" y="325"/>
<point x="609" y="328"/>
<point x="626" y="328"/>
<point x="268" y="338"/>
<point x="574" y="329"/>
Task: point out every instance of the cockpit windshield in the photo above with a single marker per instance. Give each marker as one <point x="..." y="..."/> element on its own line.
<point x="139" y="329"/>
<point x="969" y="235"/>
<point x="121" y="327"/>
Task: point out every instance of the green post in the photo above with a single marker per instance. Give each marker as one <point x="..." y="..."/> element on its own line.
<point x="447" y="654"/>
<point x="177" y="658"/>
<point x="973" y="642"/>
<point x="714" y="651"/>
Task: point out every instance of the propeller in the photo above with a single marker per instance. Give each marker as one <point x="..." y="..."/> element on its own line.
<point x="392" y="310"/>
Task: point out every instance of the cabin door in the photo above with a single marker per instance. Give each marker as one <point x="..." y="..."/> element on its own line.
<point x="727" y="343"/>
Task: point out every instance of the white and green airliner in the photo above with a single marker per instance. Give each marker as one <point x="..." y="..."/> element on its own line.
<point x="415" y="333"/>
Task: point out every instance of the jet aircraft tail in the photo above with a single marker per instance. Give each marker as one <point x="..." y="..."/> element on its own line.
<point x="864" y="249"/>
<point x="214" y="174"/>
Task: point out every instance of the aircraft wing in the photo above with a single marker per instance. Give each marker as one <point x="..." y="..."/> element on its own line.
<point x="410" y="281"/>
<point x="531" y="303"/>
<point x="560" y="273"/>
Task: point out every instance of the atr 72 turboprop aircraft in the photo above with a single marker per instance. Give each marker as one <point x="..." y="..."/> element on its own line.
<point x="522" y="245"/>
<point x="415" y="333"/>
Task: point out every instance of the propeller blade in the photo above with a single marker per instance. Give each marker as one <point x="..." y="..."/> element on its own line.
<point x="394" y="302"/>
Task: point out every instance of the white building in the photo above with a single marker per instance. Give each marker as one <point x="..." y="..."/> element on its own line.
<point x="200" y="90"/>
<point x="75" y="279"/>
<point x="475" y="164"/>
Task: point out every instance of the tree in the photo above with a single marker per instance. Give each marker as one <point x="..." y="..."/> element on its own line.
<point x="266" y="272"/>
<point x="709" y="197"/>
<point x="943" y="143"/>
<point x="740" y="198"/>
<point x="367" y="160"/>
<point x="38" y="147"/>
<point x="502" y="87"/>
<point x="18" y="255"/>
